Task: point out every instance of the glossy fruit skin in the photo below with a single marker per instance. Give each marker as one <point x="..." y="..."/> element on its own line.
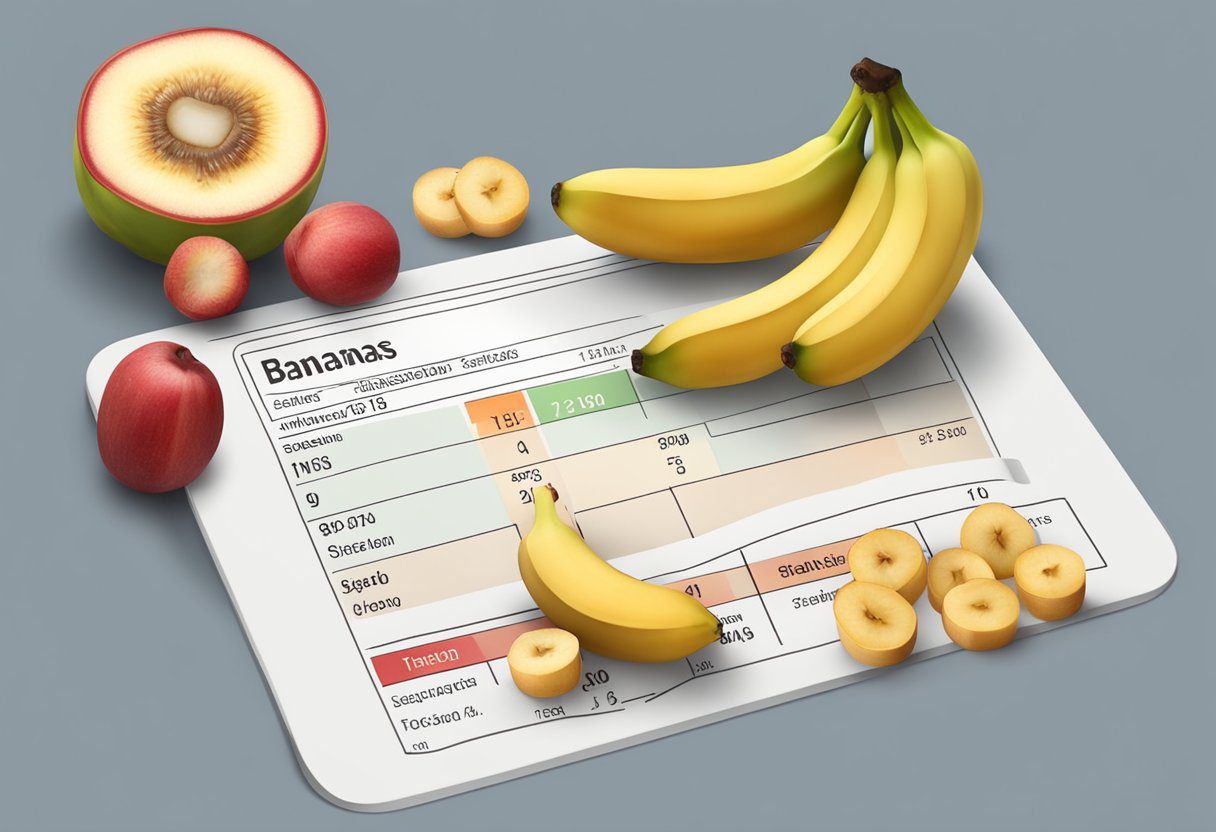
<point x="723" y="214"/>
<point x="934" y="224"/>
<point x="741" y="339"/>
<point x="155" y="235"/>
<point x="160" y="418"/>
<point x="611" y="613"/>
<point x="343" y="254"/>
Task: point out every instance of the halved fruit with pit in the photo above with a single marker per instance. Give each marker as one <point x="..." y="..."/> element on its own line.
<point x="202" y="132"/>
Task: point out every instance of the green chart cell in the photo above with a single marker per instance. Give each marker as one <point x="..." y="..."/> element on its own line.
<point x="567" y="399"/>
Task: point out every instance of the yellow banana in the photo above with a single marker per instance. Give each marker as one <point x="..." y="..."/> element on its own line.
<point x="720" y="215"/>
<point x="612" y="613"/>
<point x="932" y="233"/>
<point x="741" y="339"/>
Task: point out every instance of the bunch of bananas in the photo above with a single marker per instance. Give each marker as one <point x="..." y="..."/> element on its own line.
<point x="903" y="225"/>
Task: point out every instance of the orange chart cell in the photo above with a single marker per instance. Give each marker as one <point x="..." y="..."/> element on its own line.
<point x="501" y="413"/>
<point x="802" y="567"/>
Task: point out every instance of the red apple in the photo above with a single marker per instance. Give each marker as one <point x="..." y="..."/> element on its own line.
<point x="206" y="278"/>
<point x="160" y="418"/>
<point x="343" y="253"/>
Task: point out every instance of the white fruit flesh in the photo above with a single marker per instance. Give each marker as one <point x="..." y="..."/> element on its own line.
<point x="877" y="625"/>
<point x="545" y="663"/>
<point x="198" y="123"/>
<point x="951" y="567"/>
<point x="206" y="125"/>
<point x="892" y="558"/>
<point x="1051" y="581"/>
<point x="492" y="196"/>
<point x="435" y="203"/>
<point x="981" y="614"/>
<point x="998" y="534"/>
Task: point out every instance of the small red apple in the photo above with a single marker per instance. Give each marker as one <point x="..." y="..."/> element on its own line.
<point x="160" y="418"/>
<point x="343" y="253"/>
<point x="206" y="278"/>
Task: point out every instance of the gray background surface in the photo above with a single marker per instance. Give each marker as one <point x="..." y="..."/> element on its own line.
<point x="128" y="696"/>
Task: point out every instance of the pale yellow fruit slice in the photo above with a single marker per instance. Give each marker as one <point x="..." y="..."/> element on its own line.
<point x="435" y="203"/>
<point x="998" y="534"/>
<point x="951" y="567"/>
<point x="877" y="625"/>
<point x="492" y="196"/>
<point x="892" y="558"/>
<point x="1051" y="581"/>
<point x="981" y="614"/>
<point x="545" y="663"/>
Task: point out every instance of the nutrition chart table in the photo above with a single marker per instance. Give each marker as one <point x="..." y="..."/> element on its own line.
<point x="374" y="481"/>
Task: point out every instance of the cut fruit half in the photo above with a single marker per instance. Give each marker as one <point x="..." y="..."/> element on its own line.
<point x="981" y="614"/>
<point x="892" y="558"/>
<point x="435" y="203"/>
<point x="546" y="662"/>
<point x="997" y="533"/>
<point x="951" y="567"/>
<point x="877" y="625"/>
<point x="202" y="132"/>
<point x="1051" y="581"/>
<point x="492" y="196"/>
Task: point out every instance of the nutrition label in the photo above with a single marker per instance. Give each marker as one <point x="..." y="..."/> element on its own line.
<point x="414" y="480"/>
<point x="374" y="481"/>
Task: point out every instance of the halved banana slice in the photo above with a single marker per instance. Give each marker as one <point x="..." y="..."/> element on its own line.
<point x="877" y="625"/>
<point x="492" y="196"/>
<point x="892" y="558"/>
<point x="545" y="663"/>
<point x="1051" y="581"/>
<point x="981" y="614"/>
<point x="435" y="203"/>
<point x="951" y="567"/>
<point x="998" y="534"/>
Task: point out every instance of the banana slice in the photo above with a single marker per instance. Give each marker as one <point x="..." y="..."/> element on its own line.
<point x="998" y="534"/>
<point x="892" y="558"/>
<point x="435" y="203"/>
<point x="951" y="567"/>
<point x="491" y="196"/>
<point x="545" y="663"/>
<point x="981" y="614"/>
<point x="877" y="625"/>
<point x="1051" y="581"/>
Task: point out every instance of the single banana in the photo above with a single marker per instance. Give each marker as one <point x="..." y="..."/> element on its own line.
<point x="932" y="233"/>
<point x="611" y="613"/>
<point x="720" y="215"/>
<point x="741" y="339"/>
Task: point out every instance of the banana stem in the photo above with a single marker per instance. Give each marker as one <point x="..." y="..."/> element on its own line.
<point x="905" y="134"/>
<point x="857" y="130"/>
<point x="880" y="110"/>
<point x="545" y="498"/>
<point x="905" y="108"/>
<point x="848" y="115"/>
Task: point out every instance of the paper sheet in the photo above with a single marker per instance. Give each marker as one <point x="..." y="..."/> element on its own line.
<point x="373" y="480"/>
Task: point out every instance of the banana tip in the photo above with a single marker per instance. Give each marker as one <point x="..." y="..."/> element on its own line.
<point x="637" y="359"/>
<point x="555" y="195"/>
<point x="787" y="356"/>
<point x="552" y="491"/>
